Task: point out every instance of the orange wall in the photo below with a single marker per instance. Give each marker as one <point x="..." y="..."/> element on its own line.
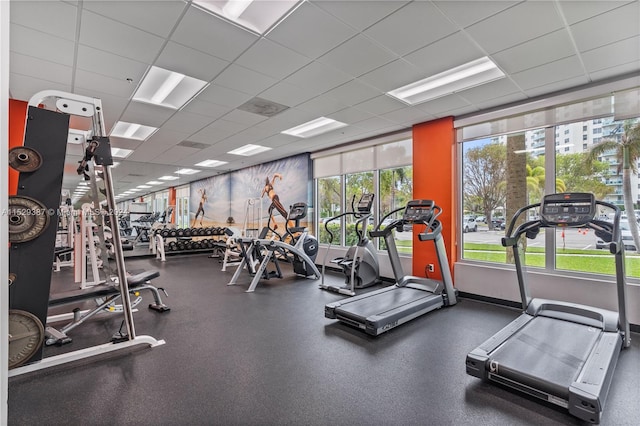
<point x="434" y="174"/>
<point x="17" y="120"/>
<point x="172" y="202"/>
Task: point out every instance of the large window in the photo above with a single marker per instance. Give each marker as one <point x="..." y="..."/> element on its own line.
<point x="396" y="190"/>
<point x="356" y="184"/>
<point x="329" y="205"/>
<point x="503" y="169"/>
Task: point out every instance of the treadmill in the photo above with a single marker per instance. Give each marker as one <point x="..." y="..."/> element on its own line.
<point x="381" y="310"/>
<point x="561" y="352"/>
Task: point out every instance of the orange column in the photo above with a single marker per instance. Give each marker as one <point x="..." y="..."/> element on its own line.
<point x="17" y="122"/>
<point x="434" y="172"/>
<point x="172" y="202"/>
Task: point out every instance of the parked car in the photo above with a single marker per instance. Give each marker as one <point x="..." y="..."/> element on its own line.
<point x="627" y="238"/>
<point x="481" y="219"/>
<point x="498" y="223"/>
<point x="469" y="224"/>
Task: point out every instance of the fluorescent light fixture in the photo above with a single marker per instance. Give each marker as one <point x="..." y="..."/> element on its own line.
<point x="211" y="163"/>
<point x="314" y="127"/>
<point x="83" y="183"/>
<point x="187" y="171"/>
<point x="136" y="131"/>
<point x="120" y="152"/>
<point x="143" y="186"/>
<point x="154" y="182"/>
<point x="257" y="16"/>
<point x="135" y="190"/>
<point x="168" y="88"/>
<point x="168" y="177"/>
<point x="456" y="79"/>
<point x="249" y="149"/>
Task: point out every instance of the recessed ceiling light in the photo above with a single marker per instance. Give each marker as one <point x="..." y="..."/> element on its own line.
<point x="249" y="149"/>
<point x="314" y="127"/>
<point x="187" y="171"/>
<point x="143" y="186"/>
<point x="256" y="16"/>
<point x="136" y="131"/>
<point x="120" y="152"/>
<point x="168" y="88"/>
<point x="168" y="177"/>
<point x="457" y="79"/>
<point x="211" y="163"/>
<point x="154" y="182"/>
<point x="134" y="190"/>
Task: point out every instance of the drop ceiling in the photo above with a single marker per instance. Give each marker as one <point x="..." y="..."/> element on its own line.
<point x="335" y="59"/>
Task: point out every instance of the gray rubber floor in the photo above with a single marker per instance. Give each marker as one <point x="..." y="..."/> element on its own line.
<point x="271" y="358"/>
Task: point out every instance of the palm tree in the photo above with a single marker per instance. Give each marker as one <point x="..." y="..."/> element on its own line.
<point x="535" y="183"/>
<point x="627" y="151"/>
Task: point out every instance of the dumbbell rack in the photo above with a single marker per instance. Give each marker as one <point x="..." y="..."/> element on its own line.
<point x="187" y="240"/>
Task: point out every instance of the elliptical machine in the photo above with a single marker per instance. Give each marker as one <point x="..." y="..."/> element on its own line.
<point x="360" y="264"/>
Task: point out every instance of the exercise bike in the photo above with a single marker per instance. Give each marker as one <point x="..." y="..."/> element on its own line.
<point x="360" y="264"/>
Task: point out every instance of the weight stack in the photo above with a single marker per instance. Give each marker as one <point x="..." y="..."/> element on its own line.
<point x="31" y="255"/>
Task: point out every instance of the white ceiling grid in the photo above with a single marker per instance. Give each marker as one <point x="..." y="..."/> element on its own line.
<point x="327" y="58"/>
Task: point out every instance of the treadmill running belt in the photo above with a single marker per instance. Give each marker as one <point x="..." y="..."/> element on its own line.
<point x="379" y="304"/>
<point x="546" y="354"/>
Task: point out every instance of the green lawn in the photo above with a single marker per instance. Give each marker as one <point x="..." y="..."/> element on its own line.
<point x="594" y="261"/>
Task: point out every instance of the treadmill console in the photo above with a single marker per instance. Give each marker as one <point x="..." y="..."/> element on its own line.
<point x="365" y="204"/>
<point x="567" y="209"/>
<point x="418" y="211"/>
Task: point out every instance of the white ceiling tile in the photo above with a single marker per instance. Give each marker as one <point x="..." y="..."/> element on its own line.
<point x="112" y="106"/>
<point x="191" y="62"/>
<point x="468" y="12"/>
<point x="278" y="140"/>
<point x="380" y="105"/>
<point x="207" y="33"/>
<point x="393" y="75"/>
<point x="157" y="17"/>
<point x="244" y="80"/>
<point x="503" y="100"/>
<point x="468" y="109"/>
<point x="576" y="11"/>
<point x="184" y="121"/>
<point x="354" y="92"/>
<point x="243" y="117"/>
<point x="41" y="45"/>
<point x="557" y="71"/>
<point x="37" y="68"/>
<point x="217" y="131"/>
<point x="124" y="143"/>
<point x="223" y="96"/>
<point x="272" y="59"/>
<point x="362" y="13"/>
<point x="613" y="54"/>
<point x="174" y="154"/>
<point x="410" y="28"/>
<point x="319" y="77"/>
<point x="292" y="117"/>
<point x="357" y="56"/>
<point x="103" y="84"/>
<point x="407" y="116"/>
<point x="105" y="63"/>
<point x="351" y="115"/>
<point x="51" y="17"/>
<point x="322" y="105"/>
<point x="288" y="94"/>
<point x="444" y="104"/>
<point x="23" y="87"/>
<point x="376" y="123"/>
<point x="310" y="31"/>
<point x="207" y="109"/>
<point x="544" y="49"/>
<point x="451" y="51"/>
<point x="147" y="114"/>
<point x="115" y="37"/>
<point x="163" y="139"/>
<point x="557" y="86"/>
<point x="516" y="25"/>
<point x="620" y="23"/>
<point x="631" y="67"/>
<point x="494" y="89"/>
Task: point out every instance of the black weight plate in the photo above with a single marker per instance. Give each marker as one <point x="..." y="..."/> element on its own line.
<point x="26" y="334"/>
<point x="187" y="232"/>
<point x="28" y="219"/>
<point x="24" y="159"/>
<point x="208" y="231"/>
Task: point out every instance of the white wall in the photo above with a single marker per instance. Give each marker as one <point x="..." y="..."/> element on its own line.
<point x="500" y="282"/>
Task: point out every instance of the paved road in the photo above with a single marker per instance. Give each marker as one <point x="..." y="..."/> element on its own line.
<point x="573" y="238"/>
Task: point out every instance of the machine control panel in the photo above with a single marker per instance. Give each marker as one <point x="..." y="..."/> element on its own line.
<point x="365" y="204"/>
<point x="568" y="209"/>
<point x="418" y="211"/>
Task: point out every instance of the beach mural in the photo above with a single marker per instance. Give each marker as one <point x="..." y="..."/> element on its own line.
<point x="247" y="196"/>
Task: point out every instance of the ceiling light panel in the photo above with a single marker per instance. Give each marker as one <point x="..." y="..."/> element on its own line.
<point x="211" y="163"/>
<point x="168" y="88"/>
<point x="168" y="177"/>
<point x="187" y="171"/>
<point x="466" y="76"/>
<point x="154" y="182"/>
<point x="120" y="152"/>
<point x="122" y="129"/>
<point x="249" y="149"/>
<point x="314" y="127"/>
<point x="257" y="16"/>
